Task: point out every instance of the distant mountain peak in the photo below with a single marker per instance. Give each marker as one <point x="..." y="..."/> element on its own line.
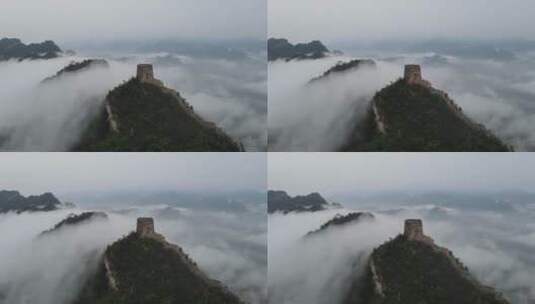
<point x="280" y="201"/>
<point x="13" y="201"/>
<point x="280" y="48"/>
<point x="13" y="48"/>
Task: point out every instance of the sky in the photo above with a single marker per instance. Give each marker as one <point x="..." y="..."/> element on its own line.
<point x="98" y="20"/>
<point x="369" y="20"/>
<point x="35" y="173"/>
<point x="331" y="173"/>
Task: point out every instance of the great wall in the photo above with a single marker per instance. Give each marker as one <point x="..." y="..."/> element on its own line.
<point x="413" y="76"/>
<point x="145" y="229"/>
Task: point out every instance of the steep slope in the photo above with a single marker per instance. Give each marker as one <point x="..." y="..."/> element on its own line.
<point x="282" y="49"/>
<point x="412" y="269"/>
<point x="144" y="268"/>
<point x="344" y="67"/>
<point x="74" y="67"/>
<point x="13" y="201"/>
<point x="145" y="116"/>
<point x="12" y="48"/>
<point x="280" y="201"/>
<point x="411" y="115"/>
<point x="342" y="220"/>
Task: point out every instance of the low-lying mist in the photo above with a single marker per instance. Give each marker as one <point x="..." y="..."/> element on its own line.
<point x="51" y="116"/>
<point x="319" y="117"/>
<point x="496" y="247"/>
<point x="229" y="247"/>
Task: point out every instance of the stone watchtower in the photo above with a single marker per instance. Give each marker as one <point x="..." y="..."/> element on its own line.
<point x="145" y="73"/>
<point x="413" y="75"/>
<point x="414" y="231"/>
<point x="145" y="226"/>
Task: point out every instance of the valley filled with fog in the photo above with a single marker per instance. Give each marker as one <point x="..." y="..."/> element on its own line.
<point x="224" y="86"/>
<point x="493" y="87"/>
<point x="227" y="242"/>
<point x="492" y="234"/>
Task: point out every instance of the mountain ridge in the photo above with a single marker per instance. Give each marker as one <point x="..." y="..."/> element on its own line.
<point x="143" y="115"/>
<point x="411" y="268"/>
<point x="411" y="115"/>
<point x="143" y="267"/>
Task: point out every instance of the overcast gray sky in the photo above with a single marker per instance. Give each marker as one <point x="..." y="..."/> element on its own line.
<point x="68" y="20"/>
<point x="33" y="173"/>
<point x="301" y="173"/>
<point x="353" y="20"/>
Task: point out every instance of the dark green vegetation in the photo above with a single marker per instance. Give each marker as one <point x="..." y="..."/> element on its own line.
<point x="13" y="201"/>
<point x="78" y="66"/>
<point x="151" y="118"/>
<point x="419" y="118"/>
<point x="416" y="272"/>
<point x="12" y="48"/>
<point x="146" y="271"/>
<point x="280" y="201"/>
<point x="75" y="219"/>
<point x="342" y="220"/>
<point x="341" y="67"/>
<point x="282" y="49"/>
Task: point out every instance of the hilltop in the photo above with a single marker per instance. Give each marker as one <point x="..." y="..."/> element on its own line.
<point x="143" y="115"/>
<point x="13" y="201"/>
<point x="411" y="115"/>
<point x="342" y="220"/>
<point x="76" y="219"/>
<point x="345" y="67"/>
<point x="412" y="269"/>
<point x="79" y="66"/>
<point x="282" y="49"/>
<point x="13" y="48"/>
<point x="280" y="201"/>
<point x="144" y="268"/>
